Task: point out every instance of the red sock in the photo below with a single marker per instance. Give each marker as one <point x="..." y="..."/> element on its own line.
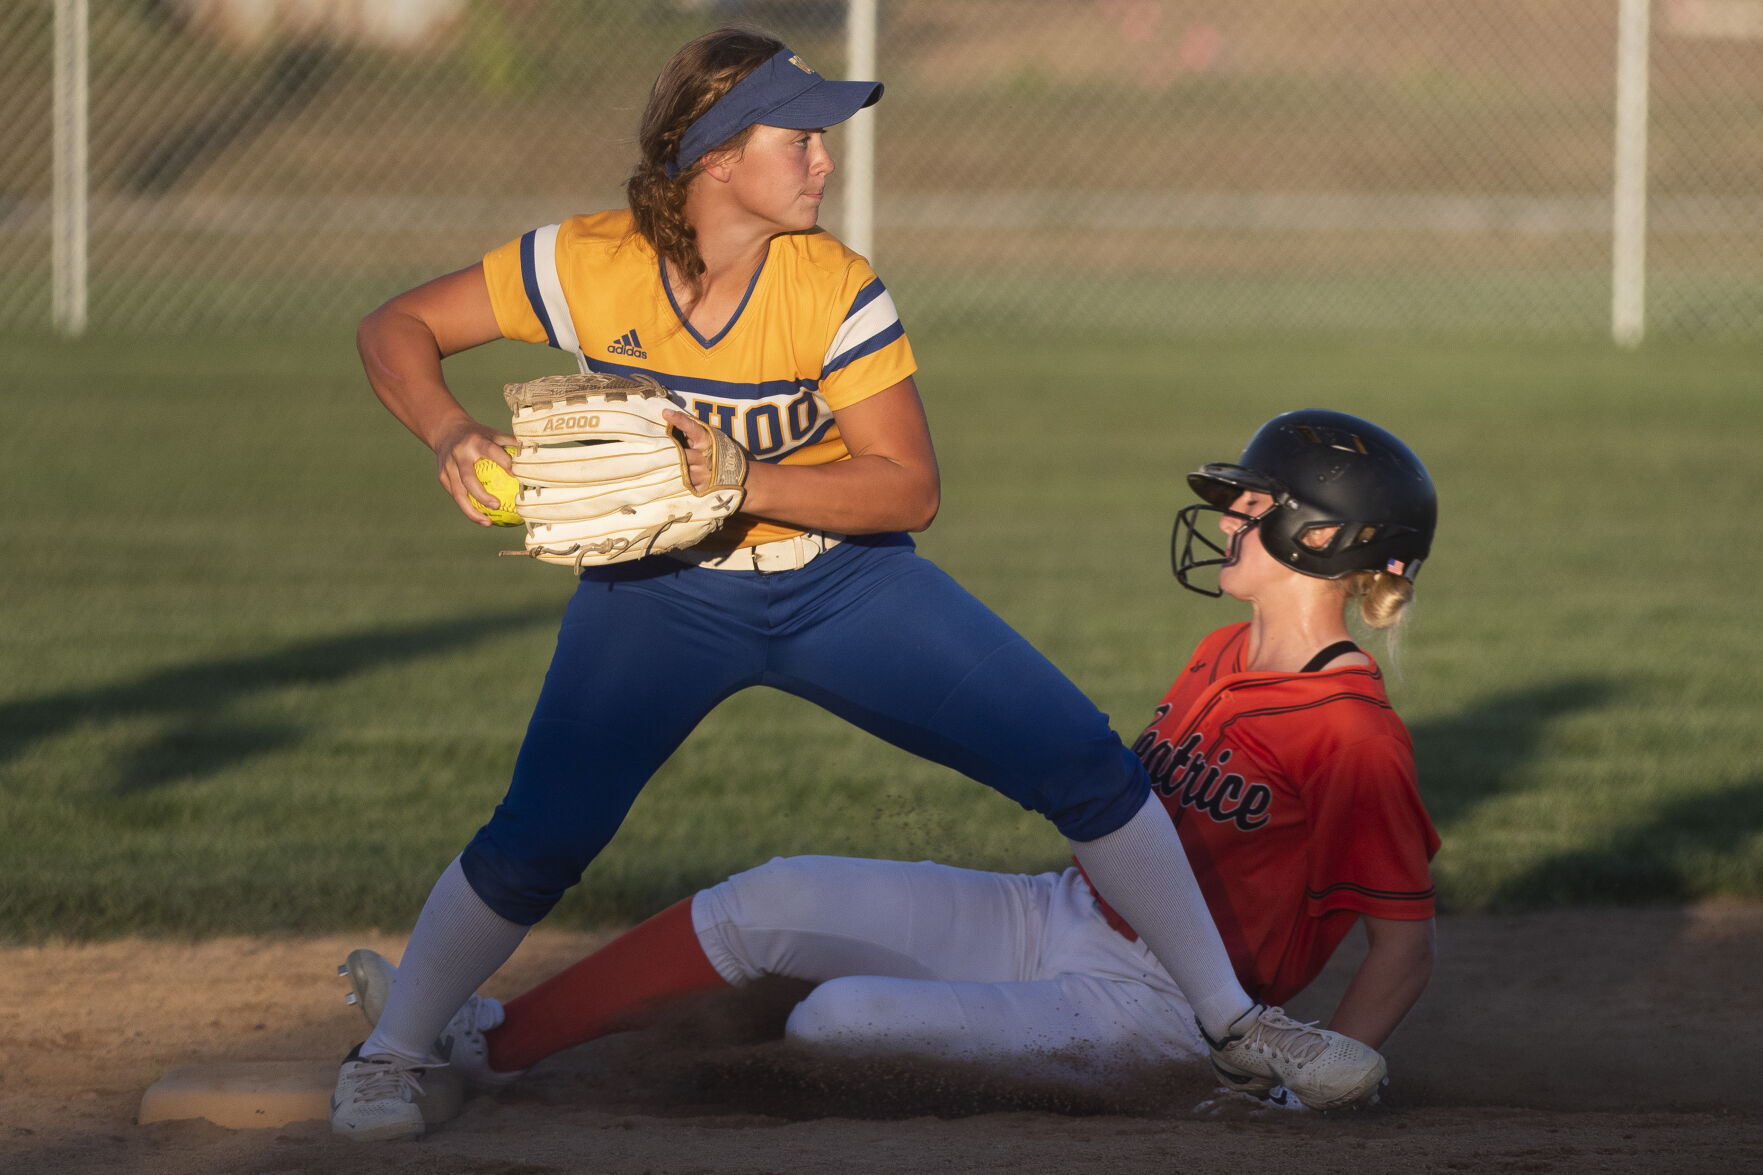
<point x="614" y="989"/>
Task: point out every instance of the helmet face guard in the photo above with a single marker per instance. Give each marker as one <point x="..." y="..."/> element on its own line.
<point x="1185" y="560"/>
<point x="1347" y="496"/>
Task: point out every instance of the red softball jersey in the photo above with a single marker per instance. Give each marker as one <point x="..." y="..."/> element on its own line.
<point x="1295" y="797"/>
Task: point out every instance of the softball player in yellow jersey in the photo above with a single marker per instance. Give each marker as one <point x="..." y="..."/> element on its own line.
<point x="718" y="283"/>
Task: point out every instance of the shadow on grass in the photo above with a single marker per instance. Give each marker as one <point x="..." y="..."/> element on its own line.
<point x="1469" y="758"/>
<point x="200" y="737"/>
<point x="1647" y="862"/>
<point x="1473" y="757"/>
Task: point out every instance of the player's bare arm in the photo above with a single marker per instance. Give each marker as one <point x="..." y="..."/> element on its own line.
<point x="890" y="482"/>
<point x="402" y="344"/>
<point x="1397" y="965"/>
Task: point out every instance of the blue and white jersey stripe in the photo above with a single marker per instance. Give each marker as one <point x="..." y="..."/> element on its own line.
<point x="538" y="270"/>
<point x="714" y="389"/>
<point x="871" y="324"/>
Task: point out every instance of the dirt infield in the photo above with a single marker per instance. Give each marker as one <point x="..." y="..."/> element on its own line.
<point x="1609" y="1041"/>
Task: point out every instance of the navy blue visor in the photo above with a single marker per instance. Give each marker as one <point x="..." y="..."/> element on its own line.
<point x="782" y="92"/>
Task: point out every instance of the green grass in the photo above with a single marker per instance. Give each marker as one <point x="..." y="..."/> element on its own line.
<point x="260" y="677"/>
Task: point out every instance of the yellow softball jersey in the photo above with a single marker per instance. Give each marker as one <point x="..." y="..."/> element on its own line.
<point x="816" y="333"/>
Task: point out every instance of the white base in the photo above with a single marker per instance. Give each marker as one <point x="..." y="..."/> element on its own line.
<point x="245" y="1095"/>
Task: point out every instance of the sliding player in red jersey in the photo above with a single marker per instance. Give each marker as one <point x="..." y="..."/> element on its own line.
<point x="1289" y="775"/>
<point x="1276" y="753"/>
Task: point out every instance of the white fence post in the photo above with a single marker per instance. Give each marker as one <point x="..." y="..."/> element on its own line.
<point x="1628" y="264"/>
<point x="68" y="219"/>
<point x="859" y="226"/>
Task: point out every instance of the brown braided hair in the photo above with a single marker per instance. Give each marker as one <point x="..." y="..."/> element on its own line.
<point x="689" y="84"/>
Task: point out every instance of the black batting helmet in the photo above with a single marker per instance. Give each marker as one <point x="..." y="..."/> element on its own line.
<point x="1322" y="469"/>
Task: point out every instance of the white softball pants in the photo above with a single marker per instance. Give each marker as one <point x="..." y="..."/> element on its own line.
<point x="957" y="964"/>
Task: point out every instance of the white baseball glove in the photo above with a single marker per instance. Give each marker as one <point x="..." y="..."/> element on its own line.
<point x="603" y="476"/>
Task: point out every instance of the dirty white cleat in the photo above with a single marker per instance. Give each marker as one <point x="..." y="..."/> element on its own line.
<point x="370" y="982"/>
<point x="375" y="1100"/>
<point x="1325" y="1070"/>
<point x="461" y="1043"/>
<point x="1229" y="1102"/>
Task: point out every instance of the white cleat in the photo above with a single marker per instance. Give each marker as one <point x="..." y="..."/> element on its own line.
<point x="370" y="982"/>
<point x="461" y="1043"/>
<point x="1228" y="1102"/>
<point x="376" y="1098"/>
<point x="1325" y="1070"/>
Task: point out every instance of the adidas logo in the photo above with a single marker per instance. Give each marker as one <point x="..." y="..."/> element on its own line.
<point x="627" y="344"/>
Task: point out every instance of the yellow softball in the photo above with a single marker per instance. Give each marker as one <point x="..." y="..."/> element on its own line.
<point x="502" y="486"/>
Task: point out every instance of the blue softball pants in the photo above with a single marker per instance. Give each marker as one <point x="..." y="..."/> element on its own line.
<point x="869" y="630"/>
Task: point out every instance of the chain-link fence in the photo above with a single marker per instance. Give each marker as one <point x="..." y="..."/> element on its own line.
<point x="1091" y="165"/>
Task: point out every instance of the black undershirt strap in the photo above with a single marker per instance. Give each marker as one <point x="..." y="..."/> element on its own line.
<point x="1338" y="649"/>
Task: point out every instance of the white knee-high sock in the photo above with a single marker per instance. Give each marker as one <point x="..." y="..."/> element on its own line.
<point x="457" y="944"/>
<point x="1144" y="873"/>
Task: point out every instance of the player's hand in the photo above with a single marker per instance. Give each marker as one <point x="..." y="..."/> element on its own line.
<point x="697" y="442"/>
<point x="460" y="447"/>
